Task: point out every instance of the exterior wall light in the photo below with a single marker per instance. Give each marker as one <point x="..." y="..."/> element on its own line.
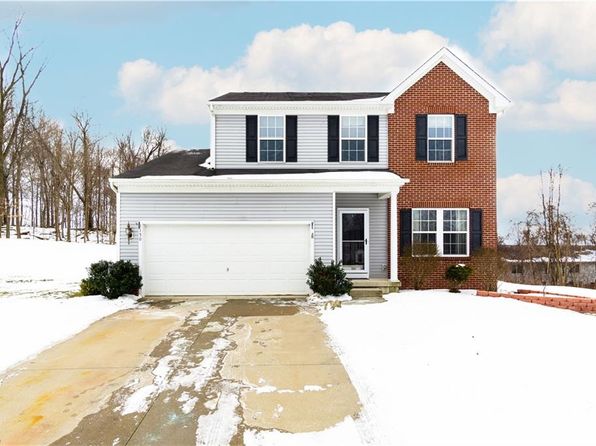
<point x="129" y="232"/>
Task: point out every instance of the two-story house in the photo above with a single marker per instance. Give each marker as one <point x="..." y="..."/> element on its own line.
<point x="290" y="177"/>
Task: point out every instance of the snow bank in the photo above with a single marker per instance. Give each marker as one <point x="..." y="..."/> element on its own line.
<point x="45" y="267"/>
<point x="506" y="287"/>
<point x="344" y="434"/>
<point x="35" y="275"/>
<point x="318" y="299"/>
<point x="30" y="325"/>
<point x="438" y="368"/>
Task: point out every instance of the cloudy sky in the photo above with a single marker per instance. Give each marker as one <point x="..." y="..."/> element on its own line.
<point x="130" y="65"/>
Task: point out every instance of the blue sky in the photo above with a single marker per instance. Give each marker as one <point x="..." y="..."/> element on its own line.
<point x="129" y="65"/>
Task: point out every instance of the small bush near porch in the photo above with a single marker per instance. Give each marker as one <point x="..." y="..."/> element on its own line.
<point x="328" y="280"/>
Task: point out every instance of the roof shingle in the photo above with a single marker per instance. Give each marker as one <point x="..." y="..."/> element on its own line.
<point x="290" y="96"/>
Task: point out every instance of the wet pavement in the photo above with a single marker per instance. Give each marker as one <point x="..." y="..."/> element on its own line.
<point x="181" y="372"/>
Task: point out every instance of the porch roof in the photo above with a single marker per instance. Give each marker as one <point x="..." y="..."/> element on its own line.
<point x="368" y="181"/>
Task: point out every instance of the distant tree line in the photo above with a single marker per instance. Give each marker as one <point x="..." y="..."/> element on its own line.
<point x="52" y="176"/>
<point x="547" y="243"/>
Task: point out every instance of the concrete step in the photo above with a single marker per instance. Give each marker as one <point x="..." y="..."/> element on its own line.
<point x="386" y="286"/>
<point x="363" y="293"/>
<point x="373" y="283"/>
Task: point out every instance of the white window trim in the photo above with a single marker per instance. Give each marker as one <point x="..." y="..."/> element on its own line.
<point x="440" y="232"/>
<point x="428" y="139"/>
<point x="341" y="118"/>
<point x="268" y="139"/>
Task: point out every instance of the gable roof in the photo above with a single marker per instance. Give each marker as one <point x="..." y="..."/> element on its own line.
<point x="289" y="96"/>
<point x="381" y="100"/>
<point x="497" y="100"/>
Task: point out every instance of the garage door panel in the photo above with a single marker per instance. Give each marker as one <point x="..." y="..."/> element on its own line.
<point x="198" y="269"/>
<point x="279" y="254"/>
<point x="226" y="259"/>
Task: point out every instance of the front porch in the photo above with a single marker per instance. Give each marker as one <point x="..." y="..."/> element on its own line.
<point x="363" y="226"/>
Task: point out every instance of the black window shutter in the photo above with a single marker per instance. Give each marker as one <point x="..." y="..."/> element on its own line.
<point x="373" y="138"/>
<point x="405" y="230"/>
<point x="333" y="138"/>
<point x="251" y="138"/>
<point x="461" y="137"/>
<point x="421" y="137"/>
<point x="291" y="139"/>
<point x="475" y="229"/>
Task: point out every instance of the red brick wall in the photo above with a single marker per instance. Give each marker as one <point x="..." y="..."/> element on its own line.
<point x="466" y="184"/>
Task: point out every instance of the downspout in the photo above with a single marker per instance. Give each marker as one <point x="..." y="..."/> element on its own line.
<point x="212" y="136"/>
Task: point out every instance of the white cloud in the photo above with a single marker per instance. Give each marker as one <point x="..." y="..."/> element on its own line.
<point x="562" y="32"/>
<point x="519" y="193"/>
<point x="572" y="107"/>
<point x="334" y="57"/>
<point x="524" y="81"/>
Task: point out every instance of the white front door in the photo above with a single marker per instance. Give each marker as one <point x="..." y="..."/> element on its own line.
<point x="225" y="258"/>
<point x="352" y="243"/>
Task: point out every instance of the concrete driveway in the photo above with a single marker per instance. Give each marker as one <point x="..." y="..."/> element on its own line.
<point x="180" y="372"/>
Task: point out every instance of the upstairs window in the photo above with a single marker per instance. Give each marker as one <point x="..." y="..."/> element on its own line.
<point x="440" y="138"/>
<point x="271" y="138"/>
<point x="353" y="137"/>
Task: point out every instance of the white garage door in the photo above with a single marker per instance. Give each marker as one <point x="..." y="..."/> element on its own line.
<point x="239" y="258"/>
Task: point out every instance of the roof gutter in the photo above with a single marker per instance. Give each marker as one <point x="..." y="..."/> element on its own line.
<point x="306" y="183"/>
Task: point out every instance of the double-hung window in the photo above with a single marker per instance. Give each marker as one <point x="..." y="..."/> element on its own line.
<point x="353" y="138"/>
<point x="271" y="138"/>
<point x="440" y="138"/>
<point x="447" y="228"/>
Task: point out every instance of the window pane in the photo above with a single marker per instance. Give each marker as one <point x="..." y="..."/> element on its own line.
<point x="424" y="220"/>
<point x="353" y="127"/>
<point x="352" y="226"/>
<point x="439" y="150"/>
<point x="271" y="127"/>
<point x="352" y="150"/>
<point x="424" y="238"/>
<point x="271" y="150"/>
<point x="455" y="220"/>
<point x="455" y="244"/>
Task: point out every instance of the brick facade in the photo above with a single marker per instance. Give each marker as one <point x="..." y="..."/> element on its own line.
<point x="465" y="184"/>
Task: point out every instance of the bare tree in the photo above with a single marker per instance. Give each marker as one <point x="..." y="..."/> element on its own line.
<point x="130" y="155"/>
<point x="15" y="87"/>
<point x="547" y="237"/>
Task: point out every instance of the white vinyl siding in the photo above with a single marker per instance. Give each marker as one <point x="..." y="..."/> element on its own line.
<point x="230" y="145"/>
<point x="377" y="228"/>
<point x="189" y="207"/>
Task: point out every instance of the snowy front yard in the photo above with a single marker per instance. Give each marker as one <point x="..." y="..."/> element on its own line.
<point x="433" y="368"/>
<point x="36" y="277"/>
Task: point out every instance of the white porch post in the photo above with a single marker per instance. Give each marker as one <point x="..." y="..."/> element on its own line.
<point x="393" y="235"/>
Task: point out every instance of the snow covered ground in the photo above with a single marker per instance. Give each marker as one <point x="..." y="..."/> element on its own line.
<point x="434" y="368"/>
<point x="506" y="287"/>
<point x="36" y="278"/>
<point x="34" y="268"/>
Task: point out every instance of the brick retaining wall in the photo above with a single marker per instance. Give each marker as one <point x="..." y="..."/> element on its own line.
<point x="579" y="304"/>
